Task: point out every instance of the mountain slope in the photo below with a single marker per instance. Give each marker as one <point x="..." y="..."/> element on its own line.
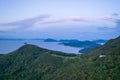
<point x="112" y="47"/>
<point x="33" y="63"/>
<point x="29" y="63"/>
<point x="91" y="66"/>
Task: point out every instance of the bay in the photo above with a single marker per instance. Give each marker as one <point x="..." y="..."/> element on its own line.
<point x="7" y="46"/>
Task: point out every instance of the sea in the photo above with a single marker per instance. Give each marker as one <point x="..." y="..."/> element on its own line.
<point x="7" y="46"/>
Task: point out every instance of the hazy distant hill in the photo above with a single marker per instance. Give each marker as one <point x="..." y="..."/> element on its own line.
<point x="99" y="41"/>
<point x="50" y="40"/>
<point x="70" y="40"/>
<point x="86" y="45"/>
<point x="112" y="47"/>
<point x="34" y="63"/>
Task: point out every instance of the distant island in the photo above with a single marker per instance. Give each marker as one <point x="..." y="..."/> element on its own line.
<point x="86" y="45"/>
<point x="68" y="40"/>
<point x="50" y="40"/>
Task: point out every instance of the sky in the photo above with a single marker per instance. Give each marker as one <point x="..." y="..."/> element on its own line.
<point x="60" y="19"/>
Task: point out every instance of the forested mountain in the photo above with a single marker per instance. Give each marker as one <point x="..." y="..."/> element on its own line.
<point x="30" y="63"/>
<point x="34" y="63"/>
<point x="112" y="47"/>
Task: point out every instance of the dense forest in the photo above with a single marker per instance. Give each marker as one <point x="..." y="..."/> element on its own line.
<point x="31" y="62"/>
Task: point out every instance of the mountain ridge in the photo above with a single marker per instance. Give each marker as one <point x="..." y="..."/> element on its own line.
<point x="31" y="62"/>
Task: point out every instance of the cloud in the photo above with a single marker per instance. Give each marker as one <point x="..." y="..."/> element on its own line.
<point x="22" y="23"/>
<point x="110" y="17"/>
<point x="107" y="21"/>
<point x="115" y="14"/>
<point x="45" y="21"/>
<point x="75" y="18"/>
<point x="67" y="19"/>
<point x="64" y="27"/>
<point x="101" y="22"/>
<point x="111" y="29"/>
<point x="105" y="17"/>
<point x="59" y="23"/>
<point x="39" y="20"/>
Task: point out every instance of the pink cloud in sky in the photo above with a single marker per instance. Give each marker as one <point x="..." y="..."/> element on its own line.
<point x="75" y="18"/>
<point x="71" y="18"/>
<point x="42" y="20"/>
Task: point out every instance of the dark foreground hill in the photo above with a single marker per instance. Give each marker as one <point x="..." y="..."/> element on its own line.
<point x="30" y="63"/>
<point x="33" y="63"/>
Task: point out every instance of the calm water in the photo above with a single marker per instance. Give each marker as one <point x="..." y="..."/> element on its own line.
<point x="7" y="46"/>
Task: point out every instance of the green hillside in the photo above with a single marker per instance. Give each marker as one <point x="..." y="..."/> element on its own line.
<point x="30" y="63"/>
<point x="112" y="47"/>
<point x="33" y="63"/>
<point x="90" y="66"/>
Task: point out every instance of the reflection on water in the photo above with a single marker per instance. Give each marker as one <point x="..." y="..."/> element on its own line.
<point x="7" y="46"/>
